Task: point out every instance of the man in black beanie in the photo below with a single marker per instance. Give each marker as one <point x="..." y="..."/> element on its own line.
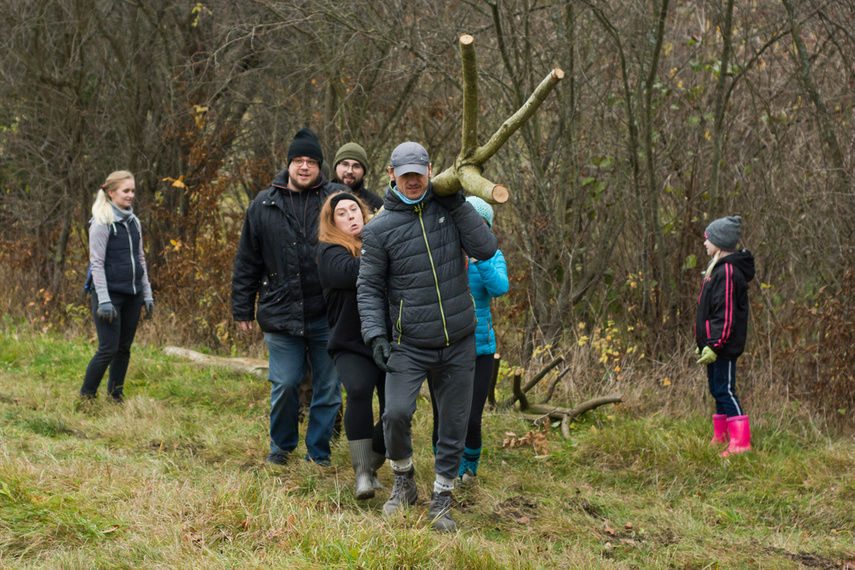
<point x="350" y="164"/>
<point x="275" y="262"/>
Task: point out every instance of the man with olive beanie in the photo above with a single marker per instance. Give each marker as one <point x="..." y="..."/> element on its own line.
<point x="350" y="164"/>
<point x="276" y="262"/>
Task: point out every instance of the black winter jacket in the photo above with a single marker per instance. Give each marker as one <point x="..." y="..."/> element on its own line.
<point x="369" y="198"/>
<point x="276" y="258"/>
<point x="412" y="253"/>
<point x="339" y="271"/>
<point x="722" y="322"/>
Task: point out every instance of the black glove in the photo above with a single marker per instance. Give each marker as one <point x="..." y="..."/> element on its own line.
<point x="381" y="352"/>
<point x="149" y="309"/>
<point x="451" y="202"/>
<point x="106" y="312"/>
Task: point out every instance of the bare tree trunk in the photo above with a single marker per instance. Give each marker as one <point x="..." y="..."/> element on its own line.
<point x="726" y="27"/>
<point x="826" y="130"/>
<point x="657" y="252"/>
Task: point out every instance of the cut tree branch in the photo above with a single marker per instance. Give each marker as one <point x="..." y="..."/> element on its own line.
<point x="252" y="366"/>
<point x="491" y="395"/>
<point x="466" y="171"/>
<point x="584" y="407"/>
<point x="531" y="383"/>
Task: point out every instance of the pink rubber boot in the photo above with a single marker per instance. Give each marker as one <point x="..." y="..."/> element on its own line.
<point x="719" y="422"/>
<point x="740" y="435"/>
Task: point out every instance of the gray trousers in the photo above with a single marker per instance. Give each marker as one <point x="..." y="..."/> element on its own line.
<point x="451" y="371"/>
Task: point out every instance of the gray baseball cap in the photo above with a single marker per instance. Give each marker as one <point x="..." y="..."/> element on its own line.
<point x="409" y="157"/>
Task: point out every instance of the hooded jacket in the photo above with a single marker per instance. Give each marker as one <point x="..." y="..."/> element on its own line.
<point x="487" y="279"/>
<point x="369" y="198"/>
<point x="722" y="321"/>
<point x="412" y="252"/>
<point x="276" y="258"/>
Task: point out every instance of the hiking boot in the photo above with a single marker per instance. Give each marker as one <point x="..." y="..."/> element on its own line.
<point x="320" y="461"/>
<point x="404" y="492"/>
<point x="276" y="458"/>
<point x="439" y="512"/>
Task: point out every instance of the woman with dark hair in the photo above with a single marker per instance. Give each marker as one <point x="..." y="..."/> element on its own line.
<point x="340" y="240"/>
<point x="118" y="283"/>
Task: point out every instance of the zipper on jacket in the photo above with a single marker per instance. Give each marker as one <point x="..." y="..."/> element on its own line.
<point x="419" y="208"/>
<point x="398" y="324"/>
<point x="133" y="263"/>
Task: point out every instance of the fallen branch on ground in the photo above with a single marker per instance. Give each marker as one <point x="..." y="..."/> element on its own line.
<point x="253" y="366"/>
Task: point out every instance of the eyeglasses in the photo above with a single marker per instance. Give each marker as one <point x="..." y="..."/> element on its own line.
<point x="307" y="161"/>
<point x="348" y="165"/>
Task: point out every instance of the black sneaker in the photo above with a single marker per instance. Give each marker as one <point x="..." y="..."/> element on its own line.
<point x="277" y="458"/>
<point x="404" y="492"/>
<point x="439" y="512"/>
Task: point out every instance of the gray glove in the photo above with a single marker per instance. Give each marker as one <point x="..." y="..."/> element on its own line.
<point x="149" y="309"/>
<point x="106" y="312"/>
<point x="381" y="350"/>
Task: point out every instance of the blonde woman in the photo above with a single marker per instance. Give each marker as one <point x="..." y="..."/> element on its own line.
<point x="118" y="283"/>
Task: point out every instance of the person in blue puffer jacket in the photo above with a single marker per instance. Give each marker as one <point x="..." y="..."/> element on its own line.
<point x="487" y="279"/>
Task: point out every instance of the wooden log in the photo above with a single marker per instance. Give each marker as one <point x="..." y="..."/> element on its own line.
<point x="466" y="171"/>
<point x="554" y="383"/>
<point x="253" y="366"/>
<point x="531" y="383"/>
<point x="491" y="394"/>
<point x="537" y="377"/>
<point x="519" y="395"/>
<point x="539" y="419"/>
<point x="584" y="407"/>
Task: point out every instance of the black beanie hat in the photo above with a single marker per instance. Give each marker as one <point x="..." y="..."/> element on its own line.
<point x="305" y="143"/>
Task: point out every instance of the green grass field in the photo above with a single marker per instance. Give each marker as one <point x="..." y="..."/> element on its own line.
<point x="176" y="478"/>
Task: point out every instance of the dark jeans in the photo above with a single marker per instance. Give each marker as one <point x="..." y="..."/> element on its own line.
<point x="450" y="371"/>
<point x="721" y="375"/>
<point x="114" y="344"/>
<point x="483" y="377"/>
<point x="290" y="356"/>
<point x="360" y="377"/>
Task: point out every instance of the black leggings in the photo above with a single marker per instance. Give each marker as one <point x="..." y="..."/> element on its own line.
<point x="483" y="378"/>
<point x="114" y="344"/>
<point x="360" y="377"/>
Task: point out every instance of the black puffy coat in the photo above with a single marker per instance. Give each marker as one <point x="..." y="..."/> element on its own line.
<point x="413" y="254"/>
<point x="276" y="258"/>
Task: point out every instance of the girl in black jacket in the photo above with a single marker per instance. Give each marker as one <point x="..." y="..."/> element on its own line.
<point x="721" y="328"/>
<point x="340" y="239"/>
<point x="118" y="285"/>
